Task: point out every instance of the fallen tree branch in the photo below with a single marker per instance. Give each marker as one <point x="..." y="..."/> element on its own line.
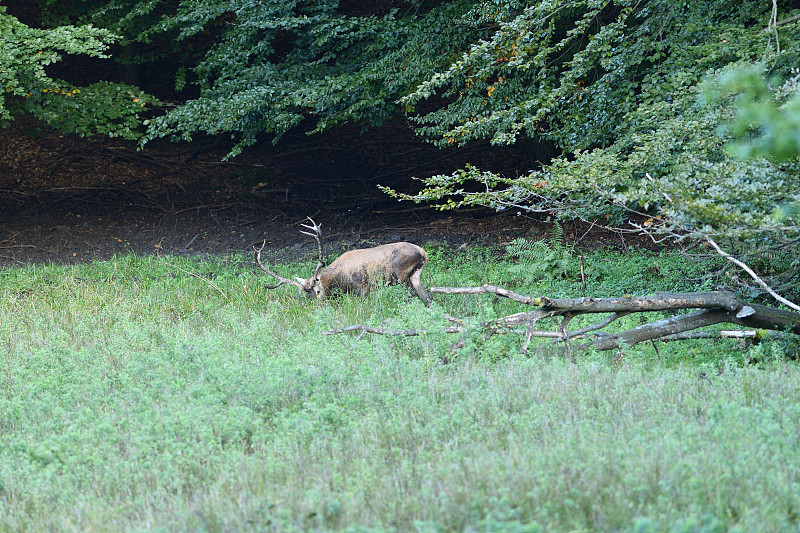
<point x="723" y="334"/>
<point x="657" y="302"/>
<point x="762" y="318"/>
<point x="390" y="332"/>
<point x="493" y="289"/>
<point x="600" y="325"/>
<point x="710" y="308"/>
<point x="660" y="328"/>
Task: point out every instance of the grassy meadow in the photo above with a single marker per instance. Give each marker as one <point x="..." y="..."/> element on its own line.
<point x="174" y="394"/>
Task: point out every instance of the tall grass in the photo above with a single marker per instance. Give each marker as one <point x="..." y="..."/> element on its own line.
<point x="170" y="394"/>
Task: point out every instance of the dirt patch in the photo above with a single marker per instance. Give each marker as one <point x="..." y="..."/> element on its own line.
<point x="67" y="200"/>
<point x="76" y="231"/>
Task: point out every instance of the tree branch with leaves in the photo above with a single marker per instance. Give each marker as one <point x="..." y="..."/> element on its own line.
<point x="112" y="109"/>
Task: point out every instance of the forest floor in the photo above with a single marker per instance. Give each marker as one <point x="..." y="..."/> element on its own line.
<point x="65" y="200"/>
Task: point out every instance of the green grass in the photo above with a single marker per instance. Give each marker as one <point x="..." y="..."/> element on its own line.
<point x="170" y="394"/>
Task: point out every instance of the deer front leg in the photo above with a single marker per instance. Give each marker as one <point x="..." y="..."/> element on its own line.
<point x="416" y="283"/>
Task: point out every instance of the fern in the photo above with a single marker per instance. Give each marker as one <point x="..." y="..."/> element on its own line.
<point x="539" y="259"/>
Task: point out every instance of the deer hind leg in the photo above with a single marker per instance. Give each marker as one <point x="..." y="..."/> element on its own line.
<point x="419" y="290"/>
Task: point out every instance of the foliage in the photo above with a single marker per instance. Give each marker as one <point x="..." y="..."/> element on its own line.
<point x="132" y="392"/>
<point x="270" y="65"/>
<point x="639" y="98"/>
<point x="776" y="125"/>
<point x="539" y="259"/>
<point x="111" y="109"/>
<point x="623" y="106"/>
<point x="765" y="128"/>
<point x="575" y="73"/>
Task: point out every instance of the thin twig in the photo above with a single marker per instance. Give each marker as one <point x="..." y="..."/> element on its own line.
<point x="360" y="336"/>
<point x="460" y="343"/>
<point x="583" y="274"/>
<point x="753" y="275"/>
<point x="780" y="23"/>
<point x="492" y="289"/>
<point x="528" y="335"/>
<point x="565" y="334"/>
<point x="722" y="334"/>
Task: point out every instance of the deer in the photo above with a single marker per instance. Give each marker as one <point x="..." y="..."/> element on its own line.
<point x="356" y="271"/>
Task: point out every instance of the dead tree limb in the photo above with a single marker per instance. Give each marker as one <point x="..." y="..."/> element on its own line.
<point x="724" y="334"/>
<point x="763" y="318"/>
<point x="499" y="291"/>
<point x="657" y="302"/>
<point x="390" y="332"/>
<point x="600" y="325"/>
<point x="710" y="308"/>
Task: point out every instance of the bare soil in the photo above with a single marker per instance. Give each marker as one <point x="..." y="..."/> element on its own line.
<point x="67" y="200"/>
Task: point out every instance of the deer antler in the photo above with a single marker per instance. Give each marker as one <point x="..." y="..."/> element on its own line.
<point x="317" y="234"/>
<point x="271" y="273"/>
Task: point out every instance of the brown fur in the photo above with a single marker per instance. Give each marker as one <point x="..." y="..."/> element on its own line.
<point x="357" y="270"/>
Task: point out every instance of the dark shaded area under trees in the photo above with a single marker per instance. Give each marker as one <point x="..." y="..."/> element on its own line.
<point x="69" y="198"/>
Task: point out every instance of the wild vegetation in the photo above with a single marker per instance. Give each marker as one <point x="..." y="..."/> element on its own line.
<point x="176" y="394"/>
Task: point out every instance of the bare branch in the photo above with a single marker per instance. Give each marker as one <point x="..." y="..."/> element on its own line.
<point x="713" y="308"/>
<point x="390" y="332"/>
<point x="499" y="291"/>
<point x="752" y="274"/>
<point x="722" y="334"/>
<point x="781" y="22"/>
<point x="659" y="328"/>
<point x="600" y="325"/>
<point x="565" y="335"/>
<point x="201" y="278"/>
<point x="528" y="334"/>
<point x="761" y="318"/>
<point x="657" y="302"/>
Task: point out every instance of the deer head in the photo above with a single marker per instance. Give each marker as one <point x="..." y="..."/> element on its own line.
<point x="310" y="287"/>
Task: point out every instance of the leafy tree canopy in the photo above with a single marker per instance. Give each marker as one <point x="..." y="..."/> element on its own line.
<point x="265" y="66"/>
<point x="578" y="73"/>
<point x="685" y="111"/>
<point x="25" y="86"/>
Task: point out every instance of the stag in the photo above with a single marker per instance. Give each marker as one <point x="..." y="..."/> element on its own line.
<point x="357" y="270"/>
